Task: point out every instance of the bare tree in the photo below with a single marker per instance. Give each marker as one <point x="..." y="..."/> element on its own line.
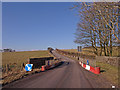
<point x="98" y="26"/>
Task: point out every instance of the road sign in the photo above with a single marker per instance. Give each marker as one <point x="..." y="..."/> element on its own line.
<point x="48" y="62"/>
<point x="87" y="62"/>
<point x="28" y="67"/>
<point x="79" y="48"/>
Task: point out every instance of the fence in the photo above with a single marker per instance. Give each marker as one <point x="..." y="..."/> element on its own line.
<point x="114" y="61"/>
<point x="12" y="69"/>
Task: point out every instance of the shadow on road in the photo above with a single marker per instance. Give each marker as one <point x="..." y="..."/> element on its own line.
<point x="58" y="66"/>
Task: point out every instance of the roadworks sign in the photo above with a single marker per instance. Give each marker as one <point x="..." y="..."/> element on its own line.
<point x="28" y="67"/>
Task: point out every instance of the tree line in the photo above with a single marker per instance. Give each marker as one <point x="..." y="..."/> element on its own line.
<point x="99" y="26"/>
<point x="7" y="50"/>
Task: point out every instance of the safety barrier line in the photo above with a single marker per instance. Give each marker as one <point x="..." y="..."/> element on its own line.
<point x="47" y="67"/>
<point x="95" y="70"/>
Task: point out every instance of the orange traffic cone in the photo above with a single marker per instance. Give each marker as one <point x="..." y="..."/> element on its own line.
<point x="43" y="68"/>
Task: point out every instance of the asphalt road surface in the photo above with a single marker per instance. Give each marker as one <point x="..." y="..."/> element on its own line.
<point x="70" y="75"/>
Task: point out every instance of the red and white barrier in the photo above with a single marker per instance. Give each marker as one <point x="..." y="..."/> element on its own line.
<point x="47" y="67"/>
<point x="95" y="70"/>
<point x="52" y="66"/>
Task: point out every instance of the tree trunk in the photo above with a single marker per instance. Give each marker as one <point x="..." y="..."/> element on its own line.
<point x="104" y="49"/>
<point x="96" y="51"/>
<point x="110" y="43"/>
<point x="107" y="49"/>
<point x="100" y="43"/>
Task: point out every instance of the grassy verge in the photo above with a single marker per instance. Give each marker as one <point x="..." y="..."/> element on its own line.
<point x="17" y="76"/>
<point x="109" y="72"/>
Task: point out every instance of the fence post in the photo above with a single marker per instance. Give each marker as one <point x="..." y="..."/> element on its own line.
<point x="95" y="60"/>
<point x="78" y="56"/>
<point x="7" y="68"/>
<point x="22" y="66"/>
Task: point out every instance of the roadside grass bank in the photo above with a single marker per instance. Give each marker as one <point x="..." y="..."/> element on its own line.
<point x="17" y="76"/>
<point x="24" y="73"/>
<point x="109" y="72"/>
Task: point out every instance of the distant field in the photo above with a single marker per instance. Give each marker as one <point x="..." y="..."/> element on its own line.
<point x="86" y="51"/>
<point x="89" y="51"/>
<point x="21" y="57"/>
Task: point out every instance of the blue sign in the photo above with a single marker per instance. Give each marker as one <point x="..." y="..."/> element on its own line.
<point x="87" y="62"/>
<point x="28" y="67"/>
<point x="48" y="63"/>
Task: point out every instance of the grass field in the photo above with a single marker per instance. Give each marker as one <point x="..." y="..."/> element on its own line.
<point x="109" y="72"/>
<point x="21" y="57"/>
<point x="15" y="61"/>
<point x="89" y="51"/>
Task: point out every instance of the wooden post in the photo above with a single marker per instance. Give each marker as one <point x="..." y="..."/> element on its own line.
<point x="7" y="68"/>
<point x="28" y="61"/>
<point x="22" y="66"/>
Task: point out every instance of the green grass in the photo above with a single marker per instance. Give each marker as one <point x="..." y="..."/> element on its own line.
<point x="109" y="72"/>
<point x="89" y="51"/>
<point x="84" y="51"/>
<point x="22" y="57"/>
<point x="18" y="58"/>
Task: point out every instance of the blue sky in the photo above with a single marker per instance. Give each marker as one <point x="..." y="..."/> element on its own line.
<point x="36" y="26"/>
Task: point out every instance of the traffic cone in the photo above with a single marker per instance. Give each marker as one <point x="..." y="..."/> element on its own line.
<point x="43" y="68"/>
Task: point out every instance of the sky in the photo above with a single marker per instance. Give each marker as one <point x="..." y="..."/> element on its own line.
<point x="60" y="0"/>
<point x="37" y="26"/>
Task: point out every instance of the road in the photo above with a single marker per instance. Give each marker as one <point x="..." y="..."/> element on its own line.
<point x="64" y="76"/>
